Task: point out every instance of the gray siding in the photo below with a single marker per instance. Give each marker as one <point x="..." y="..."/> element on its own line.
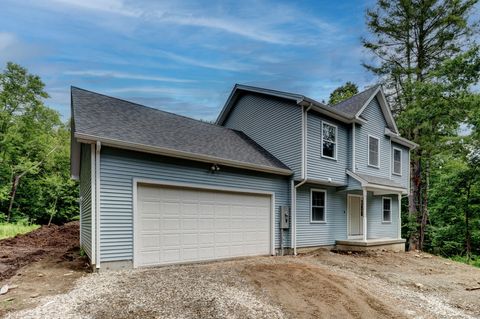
<point x="320" y="167"/>
<point x="375" y="227"/>
<point x="375" y="127"/>
<point x="119" y="167"/>
<point x="317" y="234"/>
<point x="405" y="166"/>
<point x="86" y="201"/>
<point x="275" y="124"/>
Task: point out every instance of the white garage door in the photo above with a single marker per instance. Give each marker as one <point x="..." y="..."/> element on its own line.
<point x="176" y="225"/>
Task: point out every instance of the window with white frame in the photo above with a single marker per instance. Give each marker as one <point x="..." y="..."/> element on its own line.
<point x="397" y="161"/>
<point x="387" y="210"/>
<point x="318" y="205"/>
<point x="373" y="151"/>
<point x="329" y="140"/>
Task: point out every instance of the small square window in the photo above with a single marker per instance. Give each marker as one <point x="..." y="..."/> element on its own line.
<point x="387" y="210"/>
<point x="318" y="205"/>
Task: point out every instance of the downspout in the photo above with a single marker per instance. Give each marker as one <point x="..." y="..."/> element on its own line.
<point x="97" y="198"/>
<point x="93" y="204"/>
<point x="353" y="147"/>
<point x="304" y="177"/>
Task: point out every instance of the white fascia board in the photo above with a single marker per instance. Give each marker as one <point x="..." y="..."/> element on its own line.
<point x="181" y="154"/>
<point x="373" y="187"/>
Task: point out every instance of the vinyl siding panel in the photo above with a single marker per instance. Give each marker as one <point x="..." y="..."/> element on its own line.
<point x="118" y="168"/>
<point x="275" y="124"/>
<point x="375" y="227"/>
<point x="375" y="127"/>
<point x="318" y="234"/>
<point x="86" y="200"/>
<point x="405" y="166"/>
<point x="321" y="167"/>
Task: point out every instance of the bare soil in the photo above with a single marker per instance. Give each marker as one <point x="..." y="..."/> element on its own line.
<point x="52" y="283"/>
<point x="43" y="262"/>
<point x="310" y="291"/>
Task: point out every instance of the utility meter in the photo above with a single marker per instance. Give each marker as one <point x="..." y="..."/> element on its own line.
<point x="284" y="217"/>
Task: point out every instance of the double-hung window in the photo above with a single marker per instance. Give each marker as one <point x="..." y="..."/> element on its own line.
<point x="373" y="151"/>
<point x="318" y="206"/>
<point x="397" y="161"/>
<point x="329" y="140"/>
<point x="387" y="210"/>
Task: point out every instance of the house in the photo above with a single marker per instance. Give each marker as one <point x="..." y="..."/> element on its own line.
<point x="158" y="188"/>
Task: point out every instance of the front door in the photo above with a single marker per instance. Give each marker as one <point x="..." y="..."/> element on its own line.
<point x="355" y="215"/>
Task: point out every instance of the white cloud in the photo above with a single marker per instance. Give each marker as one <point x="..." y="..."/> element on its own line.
<point x="225" y="66"/>
<point x="107" y="6"/>
<point x="6" y="40"/>
<point x="124" y="75"/>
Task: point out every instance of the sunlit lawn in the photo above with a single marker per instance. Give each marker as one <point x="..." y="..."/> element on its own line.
<point x="12" y="229"/>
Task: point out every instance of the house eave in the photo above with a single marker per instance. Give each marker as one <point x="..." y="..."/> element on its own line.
<point x="374" y="186"/>
<point x="400" y="140"/>
<point x="86" y="138"/>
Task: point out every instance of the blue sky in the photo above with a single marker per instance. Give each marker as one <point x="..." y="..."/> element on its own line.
<point x="185" y="56"/>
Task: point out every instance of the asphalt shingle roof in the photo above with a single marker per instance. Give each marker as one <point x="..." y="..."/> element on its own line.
<point x="111" y="118"/>
<point x="379" y="180"/>
<point x="352" y="105"/>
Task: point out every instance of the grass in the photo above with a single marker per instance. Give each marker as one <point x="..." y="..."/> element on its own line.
<point x="8" y="230"/>
<point x="473" y="261"/>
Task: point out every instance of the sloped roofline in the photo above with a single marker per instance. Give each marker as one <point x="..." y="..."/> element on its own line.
<point x="387" y="113"/>
<point x="370" y="185"/>
<point x="297" y="98"/>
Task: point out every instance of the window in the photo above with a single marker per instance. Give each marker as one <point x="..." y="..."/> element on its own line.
<point x="329" y="140"/>
<point x="373" y="151"/>
<point x="387" y="210"/>
<point x="397" y="161"/>
<point x="318" y="204"/>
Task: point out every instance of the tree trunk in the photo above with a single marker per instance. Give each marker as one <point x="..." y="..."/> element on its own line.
<point x="468" y="235"/>
<point x="415" y="189"/>
<point x="15" y="182"/>
<point x="424" y="208"/>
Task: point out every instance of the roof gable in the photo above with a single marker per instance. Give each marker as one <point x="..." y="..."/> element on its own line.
<point x="357" y="104"/>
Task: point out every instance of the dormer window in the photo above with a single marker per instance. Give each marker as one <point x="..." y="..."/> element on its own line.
<point x="329" y="140"/>
<point x="373" y="151"/>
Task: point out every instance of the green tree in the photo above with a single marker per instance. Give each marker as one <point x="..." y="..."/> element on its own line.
<point x="342" y="93"/>
<point x="410" y="40"/>
<point x="34" y="147"/>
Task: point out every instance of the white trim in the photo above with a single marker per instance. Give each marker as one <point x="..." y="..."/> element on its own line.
<point x="93" y="205"/>
<point x="409" y="168"/>
<point x="393" y="161"/>
<point x="400" y="140"/>
<point x="348" y="216"/>
<point x="365" y="230"/>
<point x="147" y="181"/>
<point x="399" y="232"/>
<point x="384" y="221"/>
<point x="97" y="200"/>
<point x="390" y="157"/>
<point x="317" y="190"/>
<point x="353" y="148"/>
<point x="336" y="140"/>
<point x="378" y="153"/>
<point x="180" y="154"/>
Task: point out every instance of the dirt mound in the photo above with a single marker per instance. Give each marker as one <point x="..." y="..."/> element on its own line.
<point x="307" y="291"/>
<point x="47" y="241"/>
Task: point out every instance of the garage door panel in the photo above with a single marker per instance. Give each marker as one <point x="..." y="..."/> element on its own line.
<point x="181" y="225"/>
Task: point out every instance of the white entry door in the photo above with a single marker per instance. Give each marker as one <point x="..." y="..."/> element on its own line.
<point x="355" y="216"/>
<point x="177" y="225"/>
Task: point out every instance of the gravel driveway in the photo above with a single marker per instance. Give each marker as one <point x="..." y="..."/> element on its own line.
<point x="324" y="285"/>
